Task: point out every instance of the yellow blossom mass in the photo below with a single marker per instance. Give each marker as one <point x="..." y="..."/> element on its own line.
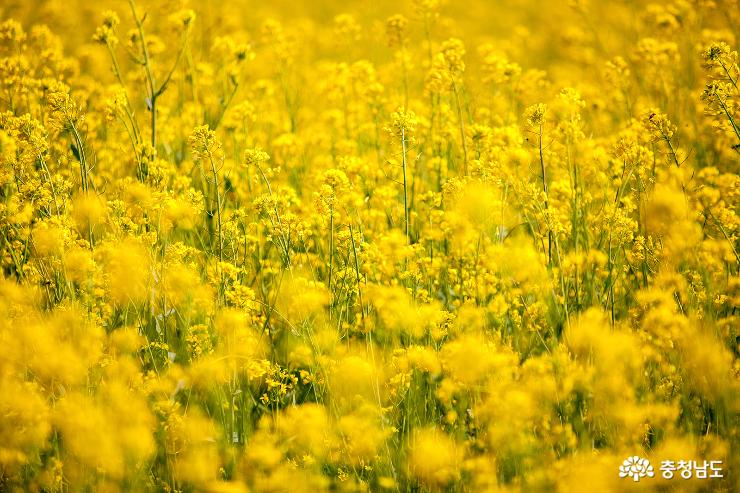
<point x="323" y="246"/>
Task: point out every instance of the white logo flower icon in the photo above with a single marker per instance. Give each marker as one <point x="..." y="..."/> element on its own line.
<point x="636" y="467"/>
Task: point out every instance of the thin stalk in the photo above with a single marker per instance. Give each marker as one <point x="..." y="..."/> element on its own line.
<point x="214" y="171"/>
<point x="729" y="116"/>
<point x="285" y="244"/>
<point x="45" y="168"/>
<point x="331" y="244"/>
<point x="462" y="127"/>
<point x="148" y="70"/>
<point x="727" y="237"/>
<point x="405" y="186"/>
<point x="154" y="92"/>
<point x="611" y="281"/>
<point x="357" y="270"/>
<point x="129" y="111"/>
<point x="562" y="284"/>
<point x="727" y="72"/>
<point x="544" y="189"/>
<point x="672" y="149"/>
<point x="83" y="159"/>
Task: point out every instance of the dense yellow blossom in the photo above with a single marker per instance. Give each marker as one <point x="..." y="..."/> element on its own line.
<point x="417" y="246"/>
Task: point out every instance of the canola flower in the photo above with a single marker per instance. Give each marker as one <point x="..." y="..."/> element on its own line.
<point x="425" y="246"/>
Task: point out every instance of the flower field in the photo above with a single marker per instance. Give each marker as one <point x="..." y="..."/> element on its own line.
<point x="417" y="246"/>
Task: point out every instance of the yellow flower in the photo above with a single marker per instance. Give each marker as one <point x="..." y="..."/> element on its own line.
<point x="435" y="458"/>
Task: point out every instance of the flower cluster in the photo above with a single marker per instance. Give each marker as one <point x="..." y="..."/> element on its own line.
<point x="428" y="246"/>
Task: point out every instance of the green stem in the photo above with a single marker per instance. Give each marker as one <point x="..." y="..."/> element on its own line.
<point x="462" y="127"/>
<point x="544" y="189"/>
<point x="214" y="171"/>
<point x="405" y="186"/>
